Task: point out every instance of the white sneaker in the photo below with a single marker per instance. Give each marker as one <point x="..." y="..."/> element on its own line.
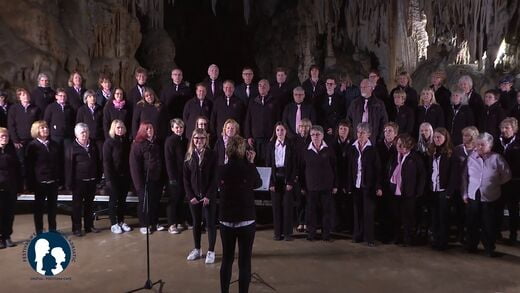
<point x="180" y="227"/>
<point x="116" y="229"/>
<point x="125" y="227"/>
<point x="173" y="230"/>
<point x="159" y="227"/>
<point x="143" y="230"/>
<point x="210" y="257"/>
<point x="194" y="254"/>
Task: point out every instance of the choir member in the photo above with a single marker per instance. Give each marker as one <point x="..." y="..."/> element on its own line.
<point x="82" y="172"/>
<point x="364" y="183"/>
<point x="458" y="117"/>
<point x="228" y="107"/>
<point x="515" y="111"/>
<point x="146" y="171"/>
<point x="117" y="108"/>
<point x="331" y="108"/>
<point x="319" y="183"/>
<point x="230" y="129"/>
<point x="368" y="109"/>
<point x="280" y="156"/>
<point x="104" y="93"/>
<point x="492" y="115"/>
<point x="314" y="87"/>
<point x="135" y="94"/>
<point x="60" y="119"/>
<point x="44" y="162"/>
<point x="43" y="94"/>
<point x="262" y="113"/>
<point x="507" y="92"/>
<point x="248" y="89"/>
<point x="92" y="114"/>
<point x="237" y="180"/>
<point x="407" y="181"/>
<point x="349" y="91"/>
<point x="174" y="151"/>
<point x="298" y="110"/>
<point x="116" y="151"/>
<point x="150" y="109"/>
<point x="475" y="101"/>
<point x="379" y="87"/>
<point x="200" y="183"/>
<point x="213" y="84"/>
<point x="75" y="90"/>
<point x="404" y="83"/>
<point x="10" y="184"/>
<point x="508" y="145"/>
<point x="175" y="95"/>
<point x="402" y="114"/>
<point x="281" y="90"/>
<point x="301" y="141"/>
<point x="440" y="170"/>
<point x="442" y="94"/>
<point x="4" y="108"/>
<point x="425" y="138"/>
<point x="203" y="123"/>
<point x="483" y="174"/>
<point x="198" y="106"/>
<point x="428" y="110"/>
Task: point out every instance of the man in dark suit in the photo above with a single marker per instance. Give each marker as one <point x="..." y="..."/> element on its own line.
<point x="295" y="112"/>
<point x="263" y="112"/>
<point x="248" y="89"/>
<point x="213" y="84"/>
<point x="332" y="108"/>
<point x="281" y="90"/>
<point x="195" y="108"/>
<point x="43" y="94"/>
<point x="61" y="119"/>
<point x="175" y="95"/>
<point x="135" y="94"/>
<point x="227" y="107"/>
<point x="369" y="109"/>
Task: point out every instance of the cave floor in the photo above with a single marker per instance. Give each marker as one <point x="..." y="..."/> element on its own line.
<point x="106" y="262"/>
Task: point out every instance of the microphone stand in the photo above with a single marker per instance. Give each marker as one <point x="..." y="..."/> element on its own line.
<point x="148" y="285"/>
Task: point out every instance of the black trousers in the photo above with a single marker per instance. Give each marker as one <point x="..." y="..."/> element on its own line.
<point x="260" y="146"/>
<point x="301" y="205"/>
<point x="440" y="218"/>
<point x="176" y="208"/>
<point x="343" y="211"/>
<point x="118" y="189"/>
<point x="83" y="195"/>
<point x="7" y="206"/>
<point x="153" y="189"/>
<point x="319" y="203"/>
<point x="229" y="237"/>
<point x="459" y="215"/>
<point x="481" y="223"/>
<point x="383" y="216"/>
<point x="403" y="214"/>
<point x="44" y="191"/>
<point x="209" y="212"/>
<point x="364" y="218"/>
<point x="283" y="205"/>
<point x="510" y="198"/>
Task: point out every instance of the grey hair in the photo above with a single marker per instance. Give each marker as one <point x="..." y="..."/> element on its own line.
<point x="317" y="128"/>
<point x="79" y="128"/>
<point x="88" y="93"/>
<point x="487" y="138"/>
<point x="364" y="126"/>
<point x="41" y="75"/>
<point x="466" y="78"/>
<point x="298" y="89"/>
<point x="464" y="100"/>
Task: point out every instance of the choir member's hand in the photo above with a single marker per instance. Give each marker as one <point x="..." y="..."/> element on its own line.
<point x="344" y="190"/>
<point x="303" y="192"/>
<point x="205" y="201"/>
<point x="334" y="190"/>
<point x="18" y="145"/>
<point x="288" y="187"/>
<point x="329" y="131"/>
<point x="466" y="200"/>
<point x="379" y="192"/>
<point x="343" y="86"/>
<point x="194" y="201"/>
<point x="271" y="188"/>
<point x="250" y="155"/>
<point x="251" y="141"/>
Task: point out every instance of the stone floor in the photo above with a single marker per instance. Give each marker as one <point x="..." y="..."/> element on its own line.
<point x="106" y="262"/>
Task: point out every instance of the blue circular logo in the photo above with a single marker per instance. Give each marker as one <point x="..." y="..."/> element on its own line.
<point x="49" y="253"/>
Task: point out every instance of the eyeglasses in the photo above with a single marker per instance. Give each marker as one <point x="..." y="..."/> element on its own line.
<point x="330" y="83"/>
<point x="316" y="134"/>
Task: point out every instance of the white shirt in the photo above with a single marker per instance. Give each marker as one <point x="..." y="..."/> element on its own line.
<point x="359" y="165"/>
<point x="311" y="147"/>
<point x="279" y="154"/>
<point x="436" y="186"/>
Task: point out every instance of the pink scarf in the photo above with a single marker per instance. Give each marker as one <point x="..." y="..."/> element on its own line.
<point x="396" y="175"/>
<point x="119" y="104"/>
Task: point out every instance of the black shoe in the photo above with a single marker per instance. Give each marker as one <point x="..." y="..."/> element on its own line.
<point x="288" y="238"/>
<point x="9" y="243"/>
<point x="356" y="240"/>
<point x="371" y="244"/>
<point x="2" y="244"/>
<point x="491" y="254"/>
<point x="92" y="230"/>
<point x="310" y="238"/>
<point x="77" y="233"/>
<point x="327" y="239"/>
<point x="277" y="238"/>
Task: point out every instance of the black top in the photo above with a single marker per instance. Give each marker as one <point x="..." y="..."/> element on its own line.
<point x="174" y="151"/>
<point x="147" y="112"/>
<point x="490" y="119"/>
<point x="370" y="168"/>
<point x="377" y="115"/>
<point x="110" y="113"/>
<point x="174" y="97"/>
<point x="289" y="115"/>
<point x="116" y="152"/>
<point x="413" y="175"/>
<point x="282" y="94"/>
<point x="81" y="164"/>
<point x="145" y="157"/>
<point x="443" y="97"/>
<point x="41" y="97"/>
<point x="289" y="162"/>
<point x="218" y="89"/>
<point x="412" y="98"/>
<point x="432" y="115"/>
<point x="200" y="178"/>
<point x="42" y="163"/>
<point x="193" y="110"/>
<point x="94" y="120"/>
<point x="447" y="176"/>
<point x="60" y="120"/>
<point x="340" y="149"/>
<point x="314" y="92"/>
<point x="240" y="92"/>
<point x="20" y="120"/>
<point x="404" y="116"/>
<point x="457" y="118"/>
<point x="318" y="170"/>
<point x="511" y="152"/>
<point x="10" y="171"/>
<point x="75" y="98"/>
<point x="221" y="112"/>
<point x="508" y="100"/>
<point x="101" y="99"/>
<point x="331" y="112"/>
<point x="476" y="103"/>
<point x="260" y="118"/>
<point x="237" y="180"/>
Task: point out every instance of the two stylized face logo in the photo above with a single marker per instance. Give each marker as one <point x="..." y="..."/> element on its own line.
<point x="49" y="253"/>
